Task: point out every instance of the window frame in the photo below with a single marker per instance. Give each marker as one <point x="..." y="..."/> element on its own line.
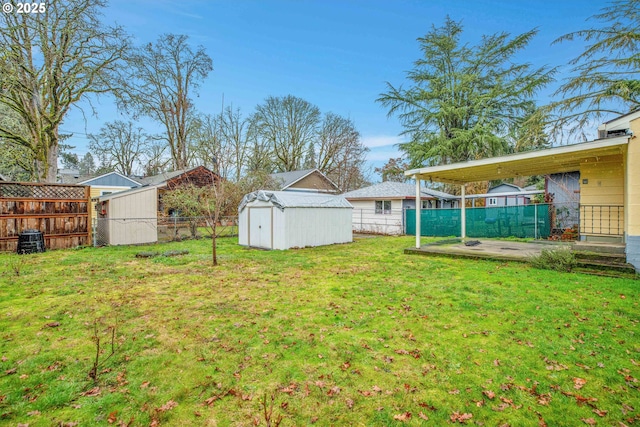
<point x="382" y="209"/>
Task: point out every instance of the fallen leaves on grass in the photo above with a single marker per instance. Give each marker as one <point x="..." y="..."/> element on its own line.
<point x="405" y="416"/>
<point x="92" y="392"/>
<point x="578" y="383"/>
<point x="457" y="417"/>
<point x="167" y="406"/>
<point x="489" y="394"/>
<point x="589" y="421"/>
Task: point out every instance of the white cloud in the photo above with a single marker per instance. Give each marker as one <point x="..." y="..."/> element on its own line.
<point x="381" y="140"/>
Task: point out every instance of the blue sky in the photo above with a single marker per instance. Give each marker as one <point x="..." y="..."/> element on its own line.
<point x="336" y="54"/>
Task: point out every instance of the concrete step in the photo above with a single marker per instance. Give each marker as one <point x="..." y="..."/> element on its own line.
<point x="612" y="258"/>
<point x="605" y="265"/>
<point x="605" y="248"/>
<point x="605" y="273"/>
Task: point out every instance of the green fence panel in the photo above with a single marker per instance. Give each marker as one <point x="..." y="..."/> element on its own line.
<point x="434" y="222"/>
<point x="526" y="221"/>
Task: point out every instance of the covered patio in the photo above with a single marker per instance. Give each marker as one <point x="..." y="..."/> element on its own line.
<point x="609" y="181"/>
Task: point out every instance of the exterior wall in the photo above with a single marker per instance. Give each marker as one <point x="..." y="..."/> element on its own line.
<point x="313" y="182"/>
<point x="243" y="227"/>
<point x="565" y="188"/>
<point x="300" y="227"/>
<point x="96" y="191"/>
<point x="120" y="222"/>
<point x="602" y="184"/>
<point x="505" y="200"/>
<point x="632" y="200"/>
<point x="365" y="219"/>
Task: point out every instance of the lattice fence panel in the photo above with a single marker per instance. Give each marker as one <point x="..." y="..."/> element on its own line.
<point x="39" y="191"/>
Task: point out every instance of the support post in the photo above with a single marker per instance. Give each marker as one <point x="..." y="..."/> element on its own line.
<point x="463" y="213"/>
<point x="418" y="206"/>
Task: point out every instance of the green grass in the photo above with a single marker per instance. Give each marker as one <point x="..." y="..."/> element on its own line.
<point x="356" y="334"/>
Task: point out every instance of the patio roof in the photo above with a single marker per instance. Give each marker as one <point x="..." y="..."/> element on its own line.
<point x="566" y="158"/>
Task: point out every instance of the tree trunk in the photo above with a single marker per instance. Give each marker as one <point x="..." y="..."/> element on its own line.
<point x="213" y="243"/>
<point x="52" y="164"/>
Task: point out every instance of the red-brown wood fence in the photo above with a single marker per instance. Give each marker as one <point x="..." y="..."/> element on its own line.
<point x="60" y="211"/>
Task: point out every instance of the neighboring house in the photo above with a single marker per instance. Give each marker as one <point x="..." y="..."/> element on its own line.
<point x="308" y="181"/>
<point x="506" y="195"/>
<point x="380" y="208"/>
<point x="609" y="170"/>
<point x="71" y="176"/>
<point x="563" y="190"/>
<point x="198" y="176"/>
<point x="108" y="183"/>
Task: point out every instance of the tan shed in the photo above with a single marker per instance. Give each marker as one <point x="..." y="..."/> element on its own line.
<point x="129" y="217"/>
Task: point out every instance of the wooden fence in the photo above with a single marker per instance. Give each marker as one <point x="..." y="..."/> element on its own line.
<point x="60" y="211"/>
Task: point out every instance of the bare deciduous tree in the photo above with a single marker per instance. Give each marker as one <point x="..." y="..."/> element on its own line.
<point x="340" y="154"/>
<point x="288" y="125"/>
<point x="235" y="134"/>
<point x="51" y="61"/>
<point x="120" y="145"/>
<point x="159" y="83"/>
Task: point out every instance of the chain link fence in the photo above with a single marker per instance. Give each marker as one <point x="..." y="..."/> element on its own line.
<point x="166" y="229"/>
<point x="382" y="221"/>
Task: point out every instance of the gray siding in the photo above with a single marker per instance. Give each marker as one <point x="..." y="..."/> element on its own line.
<point x="633" y="251"/>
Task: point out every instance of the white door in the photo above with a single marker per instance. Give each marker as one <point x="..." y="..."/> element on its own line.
<point x="260" y="227"/>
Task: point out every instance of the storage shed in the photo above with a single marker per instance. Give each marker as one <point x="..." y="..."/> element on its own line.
<point x="128" y="217"/>
<point x="283" y="220"/>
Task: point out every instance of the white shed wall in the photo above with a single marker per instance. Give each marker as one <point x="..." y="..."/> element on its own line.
<point x="132" y="218"/>
<point x="366" y="220"/>
<point x="314" y="227"/>
<point x="243" y="227"/>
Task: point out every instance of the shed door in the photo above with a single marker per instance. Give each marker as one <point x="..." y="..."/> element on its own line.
<point x="260" y="227"/>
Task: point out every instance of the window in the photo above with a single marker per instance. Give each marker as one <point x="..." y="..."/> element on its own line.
<point x="493" y="201"/>
<point x="428" y="204"/>
<point x="104" y="193"/>
<point x="383" y="207"/>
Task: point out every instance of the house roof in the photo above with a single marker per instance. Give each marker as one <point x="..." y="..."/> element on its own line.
<point x="163" y="177"/>
<point x="511" y="188"/>
<point x="288" y="199"/>
<point x="112" y="179"/>
<point x="287" y="179"/>
<point x="395" y="190"/>
<point x="566" y="158"/>
<point x="71" y="176"/>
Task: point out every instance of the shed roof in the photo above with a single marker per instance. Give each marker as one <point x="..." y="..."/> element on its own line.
<point x="125" y="193"/>
<point x="395" y="190"/>
<point x="287" y="199"/>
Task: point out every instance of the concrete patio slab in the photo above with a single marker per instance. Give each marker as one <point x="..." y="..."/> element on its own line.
<point x="500" y="250"/>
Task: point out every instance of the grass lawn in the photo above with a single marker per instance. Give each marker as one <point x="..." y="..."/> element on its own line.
<point x="356" y="334"/>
